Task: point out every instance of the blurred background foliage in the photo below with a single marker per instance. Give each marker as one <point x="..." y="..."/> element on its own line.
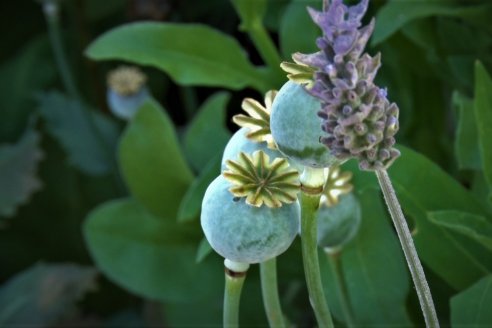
<point x="139" y="258"/>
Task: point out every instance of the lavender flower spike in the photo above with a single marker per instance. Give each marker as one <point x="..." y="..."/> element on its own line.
<point x="357" y="117"/>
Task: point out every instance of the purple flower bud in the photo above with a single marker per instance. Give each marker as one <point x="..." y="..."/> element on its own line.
<point x="357" y="115"/>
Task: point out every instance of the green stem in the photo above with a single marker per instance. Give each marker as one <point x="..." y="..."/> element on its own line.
<point x="269" y="289"/>
<point x="313" y="181"/>
<point x="265" y="45"/>
<point x="334" y="259"/>
<point x="235" y="274"/>
<point x="409" y="250"/>
<point x="51" y="12"/>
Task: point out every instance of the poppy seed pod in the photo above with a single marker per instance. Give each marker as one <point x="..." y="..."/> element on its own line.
<point x="244" y="233"/>
<point x="338" y="224"/>
<point x="295" y="127"/>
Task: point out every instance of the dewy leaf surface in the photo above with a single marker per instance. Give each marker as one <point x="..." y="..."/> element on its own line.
<point x="207" y="135"/>
<point x="471" y="308"/>
<point x="483" y="114"/>
<point x="374" y="270"/>
<point x="473" y="226"/>
<point x="69" y="121"/>
<point x="43" y="294"/>
<point x="191" y="54"/>
<point x="149" y="256"/>
<point x="152" y="163"/>
<point x="18" y="172"/>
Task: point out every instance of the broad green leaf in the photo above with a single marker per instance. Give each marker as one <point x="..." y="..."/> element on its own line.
<point x="374" y="271"/>
<point x="18" y="172"/>
<point x="88" y="137"/>
<point x="423" y="187"/>
<point x="152" y="163"/>
<point x="189" y="208"/>
<point x="471" y="308"/>
<point x="250" y="12"/>
<point x="396" y="14"/>
<point x="483" y="114"/>
<point x="191" y="54"/>
<point x="298" y="32"/>
<point x="207" y="135"/>
<point x="29" y="71"/>
<point x="43" y="294"/>
<point x="149" y="256"/>
<point x="473" y="226"/>
<point x="465" y="145"/>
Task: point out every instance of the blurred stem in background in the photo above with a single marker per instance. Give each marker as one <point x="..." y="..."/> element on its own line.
<point x="269" y="289"/>
<point x="51" y="12"/>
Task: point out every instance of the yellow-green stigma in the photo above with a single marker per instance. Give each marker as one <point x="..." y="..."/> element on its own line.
<point x="337" y="184"/>
<point x="126" y="80"/>
<point x="299" y="73"/>
<point x="262" y="182"/>
<point x="258" y="119"/>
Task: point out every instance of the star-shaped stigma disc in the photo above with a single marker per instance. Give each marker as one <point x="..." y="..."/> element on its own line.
<point x="258" y="119"/>
<point x="261" y="181"/>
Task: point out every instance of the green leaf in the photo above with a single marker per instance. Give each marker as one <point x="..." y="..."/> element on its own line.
<point x="298" y="32"/>
<point x="204" y="249"/>
<point x="43" y="294"/>
<point x="483" y="114"/>
<point x="423" y="187"/>
<point x="152" y="163"/>
<point x="149" y="256"/>
<point x="473" y="226"/>
<point x="189" y="208"/>
<point x="207" y="135"/>
<point x="465" y="145"/>
<point x="191" y="54"/>
<point x="374" y="271"/>
<point x="18" y="172"/>
<point x="250" y="12"/>
<point x="471" y="308"/>
<point x="30" y="70"/>
<point x="396" y="14"/>
<point x="88" y="137"/>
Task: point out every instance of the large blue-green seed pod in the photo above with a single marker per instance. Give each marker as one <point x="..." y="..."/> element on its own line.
<point x="244" y="233"/>
<point x="239" y="143"/>
<point x="338" y="224"/>
<point x="296" y="127"/>
<point x="125" y="106"/>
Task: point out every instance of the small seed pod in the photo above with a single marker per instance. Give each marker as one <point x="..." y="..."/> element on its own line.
<point x="256" y="217"/>
<point x="296" y="127"/>
<point x="126" y="91"/>
<point x="338" y="224"/>
<point x="239" y="142"/>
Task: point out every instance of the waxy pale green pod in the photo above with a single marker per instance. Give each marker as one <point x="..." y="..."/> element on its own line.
<point x="296" y="127"/>
<point x="245" y="233"/>
<point x="338" y="224"/>
<point x="126" y="91"/>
